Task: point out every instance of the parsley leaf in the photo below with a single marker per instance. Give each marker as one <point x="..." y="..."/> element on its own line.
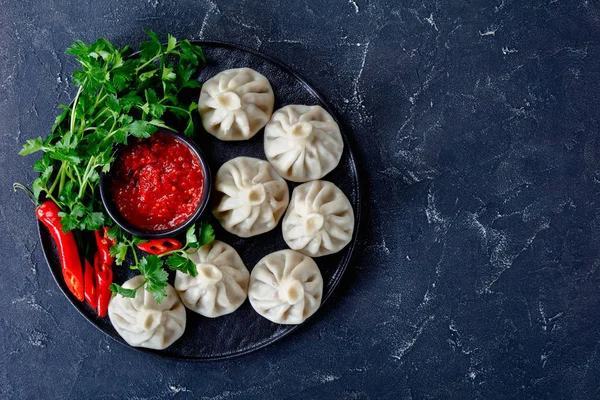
<point x="115" y="232"/>
<point x="168" y="74"/>
<point x="68" y="195"/>
<point x="178" y="262"/>
<point x="42" y="164"/>
<point x="113" y="103"/>
<point x="93" y="221"/>
<point x="187" y="53"/>
<point x="79" y="49"/>
<point x="190" y="236"/>
<point x="189" y="129"/>
<point x="206" y="233"/>
<point x="136" y="240"/>
<point x="171" y="43"/>
<point x="61" y="117"/>
<point x="78" y="210"/>
<point x="31" y="146"/>
<point x="120" y="136"/>
<point x="47" y="173"/>
<point x="68" y="222"/>
<point x="141" y="129"/>
<point x="37" y="187"/>
<point x="63" y="154"/>
<point x="119" y="251"/>
<point x="156" y="277"/>
<point x="147" y="75"/>
<point x="118" y="289"/>
<point x="151" y="268"/>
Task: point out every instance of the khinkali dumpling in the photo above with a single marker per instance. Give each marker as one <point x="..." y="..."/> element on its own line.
<point x="236" y="103"/>
<point x="142" y="322"/>
<point x="286" y="287"/>
<point x="303" y="143"/>
<point x="320" y="219"/>
<point x="251" y="197"/>
<point x="221" y="285"/>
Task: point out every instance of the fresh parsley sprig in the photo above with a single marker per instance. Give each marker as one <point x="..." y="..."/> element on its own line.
<point x="179" y="260"/>
<point x="152" y="267"/>
<point x="118" y="96"/>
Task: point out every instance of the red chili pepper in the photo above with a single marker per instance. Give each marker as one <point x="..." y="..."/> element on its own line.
<point x="104" y="243"/>
<point x="67" y="248"/>
<point x="104" y="277"/>
<point x="160" y="246"/>
<point x="90" y="285"/>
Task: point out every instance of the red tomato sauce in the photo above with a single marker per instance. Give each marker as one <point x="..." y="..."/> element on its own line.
<point x="157" y="183"/>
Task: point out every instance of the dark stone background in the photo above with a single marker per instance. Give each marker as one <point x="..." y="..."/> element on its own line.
<point x="476" y="124"/>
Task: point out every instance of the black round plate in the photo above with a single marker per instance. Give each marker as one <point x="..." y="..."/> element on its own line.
<point x="244" y="330"/>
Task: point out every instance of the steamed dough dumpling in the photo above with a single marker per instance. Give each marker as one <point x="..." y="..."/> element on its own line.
<point x="236" y="103"/>
<point x="319" y="220"/>
<point x="142" y="322"/>
<point x="221" y="285"/>
<point x="286" y="287"/>
<point x="303" y="143"/>
<point x="250" y="196"/>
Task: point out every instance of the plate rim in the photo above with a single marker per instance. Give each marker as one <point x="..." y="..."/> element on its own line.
<point x="337" y="276"/>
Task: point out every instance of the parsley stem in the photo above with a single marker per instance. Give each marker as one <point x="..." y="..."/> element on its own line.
<point x="60" y="180"/>
<point x="168" y="253"/>
<point x="111" y="131"/>
<point x="49" y="195"/>
<point x="88" y="170"/>
<point x="73" y="112"/>
<point x="49" y="191"/>
<point x="69" y="173"/>
<point x="52" y="198"/>
<point x="78" y="176"/>
<point x="61" y="185"/>
<point x="82" y="126"/>
<point x="135" y="257"/>
<point x="179" y="108"/>
<point x="149" y="61"/>
<point x="99" y="115"/>
<point x="98" y="99"/>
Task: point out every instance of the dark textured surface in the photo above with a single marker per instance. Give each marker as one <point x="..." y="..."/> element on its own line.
<point x="477" y="126"/>
<point x="244" y="330"/>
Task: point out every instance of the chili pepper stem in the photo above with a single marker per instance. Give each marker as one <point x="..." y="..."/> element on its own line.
<point x="28" y="191"/>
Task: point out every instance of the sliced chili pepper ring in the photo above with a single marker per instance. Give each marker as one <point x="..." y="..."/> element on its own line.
<point x="103" y="243"/>
<point x="160" y="246"/>
<point x="90" y="284"/>
<point x="74" y="283"/>
<point x="104" y="277"/>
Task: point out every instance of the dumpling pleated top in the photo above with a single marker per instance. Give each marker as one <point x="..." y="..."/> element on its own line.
<point x="250" y="196"/>
<point x="220" y="286"/>
<point x="286" y="287"/>
<point x="142" y="322"/>
<point x="319" y="220"/>
<point x="236" y="103"/>
<point x="303" y="143"/>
